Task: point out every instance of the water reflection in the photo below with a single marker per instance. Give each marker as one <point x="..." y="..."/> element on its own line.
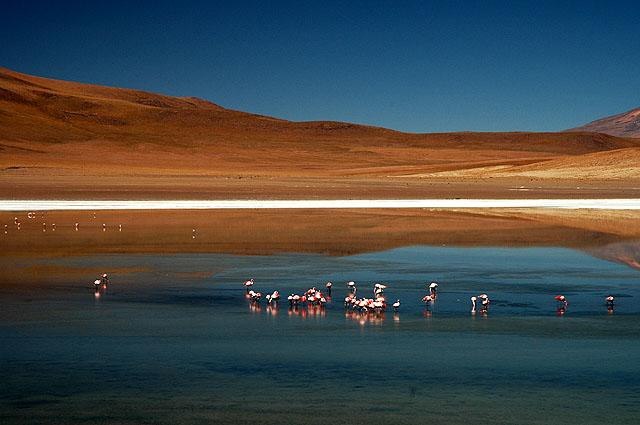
<point x="255" y="307"/>
<point x="307" y="311"/>
<point x="272" y="309"/>
<point x="363" y="318"/>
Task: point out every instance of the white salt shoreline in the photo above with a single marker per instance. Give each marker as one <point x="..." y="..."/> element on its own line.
<point x="60" y="205"/>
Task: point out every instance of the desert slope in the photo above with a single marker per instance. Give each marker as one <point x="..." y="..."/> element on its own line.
<point x="62" y="139"/>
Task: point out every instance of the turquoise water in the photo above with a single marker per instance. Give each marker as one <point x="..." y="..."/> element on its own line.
<point x="177" y="342"/>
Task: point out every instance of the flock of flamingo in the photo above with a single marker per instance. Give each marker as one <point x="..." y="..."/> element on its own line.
<point x="378" y="303"/>
<point x="313" y="297"/>
<point x="52" y="226"/>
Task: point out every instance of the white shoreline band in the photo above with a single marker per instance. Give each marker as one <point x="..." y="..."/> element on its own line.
<point x="60" y="205"/>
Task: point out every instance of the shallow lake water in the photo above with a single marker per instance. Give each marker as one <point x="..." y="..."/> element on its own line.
<point x="174" y="340"/>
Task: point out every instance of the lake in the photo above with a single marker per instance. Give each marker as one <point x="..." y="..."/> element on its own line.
<point x="173" y="339"/>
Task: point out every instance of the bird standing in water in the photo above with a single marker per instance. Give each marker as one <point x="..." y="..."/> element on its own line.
<point x="273" y="298"/>
<point x="562" y="300"/>
<point x="352" y="286"/>
<point x="248" y="284"/>
<point x="433" y="289"/>
<point x="609" y="301"/>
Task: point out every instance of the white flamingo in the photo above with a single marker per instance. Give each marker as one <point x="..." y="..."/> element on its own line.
<point x="396" y="305"/>
<point x="352" y="286"/>
<point x="248" y="284"/>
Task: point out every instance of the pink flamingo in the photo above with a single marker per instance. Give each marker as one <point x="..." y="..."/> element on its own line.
<point x="562" y="299"/>
<point x="273" y="298"/>
<point x="428" y="300"/>
<point x="255" y="296"/>
<point x="609" y="301"/>
<point x="248" y="284"/>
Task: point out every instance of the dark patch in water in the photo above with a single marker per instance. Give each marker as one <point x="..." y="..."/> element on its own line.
<point x="173" y="299"/>
<point x="28" y="404"/>
<point x="505" y="303"/>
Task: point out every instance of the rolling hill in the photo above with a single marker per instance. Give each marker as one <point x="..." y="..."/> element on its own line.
<point x="57" y="135"/>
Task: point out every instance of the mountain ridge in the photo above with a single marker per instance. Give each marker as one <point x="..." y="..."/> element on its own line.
<point x="626" y="124"/>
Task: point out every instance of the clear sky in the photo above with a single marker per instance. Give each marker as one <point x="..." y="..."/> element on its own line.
<point x="415" y="66"/>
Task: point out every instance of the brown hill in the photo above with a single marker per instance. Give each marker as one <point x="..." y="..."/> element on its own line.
<point x="57" y="135"/>
<point x="616" y="164"/>
<point x="626" y="124"/>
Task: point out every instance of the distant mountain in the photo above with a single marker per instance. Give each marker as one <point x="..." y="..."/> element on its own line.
<point x="625" y="125"/>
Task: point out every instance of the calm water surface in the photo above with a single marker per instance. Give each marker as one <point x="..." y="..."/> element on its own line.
<point x="173" y="340"/>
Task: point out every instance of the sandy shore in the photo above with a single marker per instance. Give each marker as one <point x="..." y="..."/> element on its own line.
<point x="62" y="205"/>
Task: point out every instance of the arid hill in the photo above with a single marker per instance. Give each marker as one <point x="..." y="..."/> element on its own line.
<point x="626" y="124"/>
<point x="68" y="139"/>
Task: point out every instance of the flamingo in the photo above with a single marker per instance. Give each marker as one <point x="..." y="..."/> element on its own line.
<point x="248" y="284"/>
<point x="485" y="303"/>
<point x="609" y="301"/>
<point x="96" y="284"/>
<point x="473" y="304"/>
<point x="328" y="286"/>
<point x="255" y="296"/>
<point x="273" y="298"/>
<point x="433" y="288"/>
<point x="396" y="305"/>
<point x="104" y="279"/>
<point x="352" y="286"/>
<point x="379" y="286"/>
<point x="562" y="299"/>
<point x="379" y="305"/>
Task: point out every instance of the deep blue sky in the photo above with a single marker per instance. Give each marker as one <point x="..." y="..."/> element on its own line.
<point x="413" y="66"/>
